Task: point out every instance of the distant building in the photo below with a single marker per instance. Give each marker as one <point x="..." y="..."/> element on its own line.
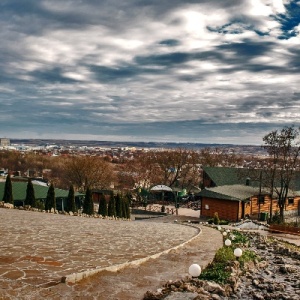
<point x="4" y="142"/>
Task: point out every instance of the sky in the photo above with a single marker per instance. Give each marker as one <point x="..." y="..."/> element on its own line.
<point x="223" y="71"/>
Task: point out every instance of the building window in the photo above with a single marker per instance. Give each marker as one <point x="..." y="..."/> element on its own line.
<point x="261" y="199"/>
<point x="290" y="201"/>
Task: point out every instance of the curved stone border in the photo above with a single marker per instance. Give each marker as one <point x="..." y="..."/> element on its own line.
<point x="75" y="277"/>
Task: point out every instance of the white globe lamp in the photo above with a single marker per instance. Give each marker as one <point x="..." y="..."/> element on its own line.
<point x="228" y="242"/>
<point x="195" y="270"/>
<point x="224" y="233"/>
<point x="238" y="252"/>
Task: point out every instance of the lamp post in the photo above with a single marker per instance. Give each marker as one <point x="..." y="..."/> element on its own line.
<point x="176" y="203"/>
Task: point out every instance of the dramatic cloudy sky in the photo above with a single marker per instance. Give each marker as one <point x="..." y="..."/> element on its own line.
<point x="214" y="71"/>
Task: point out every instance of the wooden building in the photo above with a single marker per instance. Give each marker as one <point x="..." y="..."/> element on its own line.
<point x="234" y="201"/>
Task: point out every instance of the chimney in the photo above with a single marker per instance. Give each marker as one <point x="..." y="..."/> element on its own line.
<point x="247" y="181"/>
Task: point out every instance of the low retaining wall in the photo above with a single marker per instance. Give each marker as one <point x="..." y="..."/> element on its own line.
<point x="284" y="229"/>
<point x="75" y="277"/>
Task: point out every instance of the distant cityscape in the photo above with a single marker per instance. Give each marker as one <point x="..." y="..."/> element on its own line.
<point x="61" y="146"/>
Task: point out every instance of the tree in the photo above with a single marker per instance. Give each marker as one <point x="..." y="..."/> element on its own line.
<point x="8" y="194"/>
<point x="168" y="167"/>
<point x="30" y="195"/>
<point x="70" y="205"/>
<point x="283" y="149"/>
<point x="119" y="202"/>
<point x="111" y="206"/>
<point x="214" y="157"/>
<point x="102" y="206"/>
<point x="50" y="200"/>
<point x="88" y="204"/>
<point x="125" y="209"/>
<point x="89" y="171"/>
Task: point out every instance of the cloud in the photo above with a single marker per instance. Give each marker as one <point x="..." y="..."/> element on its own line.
<point x="136" y="69"/>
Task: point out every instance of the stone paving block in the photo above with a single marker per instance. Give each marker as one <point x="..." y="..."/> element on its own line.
<point x="38" y="249"/>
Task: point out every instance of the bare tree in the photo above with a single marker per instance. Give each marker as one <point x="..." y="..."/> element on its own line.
<point x="283" y="149"/>
<point x="169" y="167"/>
<point x="214" y="157"/>
<point x="89" y="171"/>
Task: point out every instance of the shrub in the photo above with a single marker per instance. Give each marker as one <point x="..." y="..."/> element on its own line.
<point x="30" y="196"/>
<point x="239" y="238"/>
<point x="219" y="269"/>
<point x="247" y="257"/>
<point x="88" y="204"/>
<point x="224" y="222"/>
<point x="216" y="219"/>
<point x="111" y="212"/>
<point x="50" y="200"/>
<point x="216" y="272"/>
<point x="39" y="205"/>
<point x="8" y="194"/>
<point x="102" y="206"/>
<point x="119" y="206"/>
<point x="224" y="254"/>
<point x="71" y="200"/>
<point x="276" y="218"/>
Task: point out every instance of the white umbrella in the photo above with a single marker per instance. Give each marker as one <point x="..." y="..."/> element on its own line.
<point x="161" y="188"/>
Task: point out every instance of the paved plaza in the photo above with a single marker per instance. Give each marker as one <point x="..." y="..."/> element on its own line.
<point x="38" y="249"/>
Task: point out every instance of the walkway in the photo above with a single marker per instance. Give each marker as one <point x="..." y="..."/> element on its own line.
<point x="38" y="249"/>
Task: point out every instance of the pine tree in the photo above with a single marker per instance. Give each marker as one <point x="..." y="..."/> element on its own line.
<point x="30" y="196"/>
<point x="50" y="200"/>
<point x="112" y="206"/>
<point x="123" y="207"/>
<point x="70" y="205"/>
<point x="8" y="194"/>
<point x="102" y="206"/>
<point x="119" y="202"/>
<point x="88" y="204"/>
<point x="127" y="206"/>
<point x="127" y="203"/>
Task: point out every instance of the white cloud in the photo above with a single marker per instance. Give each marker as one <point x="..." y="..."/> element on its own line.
<point x="202" y="62"/>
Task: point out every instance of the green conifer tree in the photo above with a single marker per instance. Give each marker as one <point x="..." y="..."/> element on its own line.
<point x="112" y="206"/>
<point x="119" y="202"/>
<point x="30" y="195"/>
<point x="70" y="205"/>
<point x="8" y="194"/>
<point x="50" y="200"/>
<point x="127" y="203"/>
<point x="123" y="207"/>
<point x="127" y="206"/>
<point x="88" y="204"/>
<point x="102" y="206"/>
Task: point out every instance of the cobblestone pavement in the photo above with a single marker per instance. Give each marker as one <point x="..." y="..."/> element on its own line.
<point x="38" y="249"/>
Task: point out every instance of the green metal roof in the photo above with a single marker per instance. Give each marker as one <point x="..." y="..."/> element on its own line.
<point x="230" y="176"/>
<point x="40" y="191"/>
<point x="226" y="176"/>
<point x="235" y="192"/>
